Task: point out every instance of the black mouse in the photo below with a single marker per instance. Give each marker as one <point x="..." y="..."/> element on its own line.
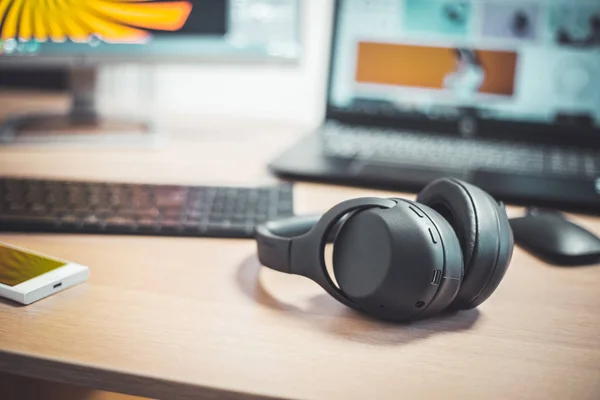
<point x="551" y="237"/>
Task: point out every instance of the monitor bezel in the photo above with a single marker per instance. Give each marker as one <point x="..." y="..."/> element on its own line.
<point x="99" y="60"/>
<point x="521" y="131"/>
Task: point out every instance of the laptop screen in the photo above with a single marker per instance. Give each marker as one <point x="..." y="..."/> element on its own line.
<point x="530" y="61"/>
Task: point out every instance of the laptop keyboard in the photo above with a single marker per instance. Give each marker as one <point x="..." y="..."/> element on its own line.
<point x="452" y="153"/>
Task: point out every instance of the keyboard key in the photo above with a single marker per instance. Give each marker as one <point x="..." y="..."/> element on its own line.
<point x="147" y="224"/>
<point x="238" y="218"/>
<point x="170" y="225"/>
<point x="91" y="220"/>
<point x="217" y="229"/>
<point x="190" y="224"/>
<point x="119" y="221"/>
<point x="69" y="221"/>
<point x="168" y="197"/>
<point x="103" y="211"/>
<point x="16" y="207"/>
<point x="152" y="213"/>
<point x="171" y="212"/>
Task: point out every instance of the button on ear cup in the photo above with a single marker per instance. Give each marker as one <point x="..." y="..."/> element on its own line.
<point x="483" y="231"/>
<point x="394" y="264"/>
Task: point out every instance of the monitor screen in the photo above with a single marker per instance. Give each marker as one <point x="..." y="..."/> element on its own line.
<point x="533" y="61"/>
<point x="168" y="29"/>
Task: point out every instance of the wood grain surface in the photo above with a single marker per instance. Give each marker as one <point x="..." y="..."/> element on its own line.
<point x="199" y="318"/>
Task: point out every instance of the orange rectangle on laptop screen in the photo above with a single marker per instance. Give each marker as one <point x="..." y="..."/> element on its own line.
<point x="431" y="67"/>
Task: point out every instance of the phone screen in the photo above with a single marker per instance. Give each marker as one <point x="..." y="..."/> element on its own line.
<point x="18" y="266"/>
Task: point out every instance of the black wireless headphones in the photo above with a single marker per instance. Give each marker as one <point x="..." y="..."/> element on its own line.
<point x="396" y="259"/>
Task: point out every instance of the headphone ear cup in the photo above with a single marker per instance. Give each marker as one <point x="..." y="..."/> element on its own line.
<point x="483" y="231"/>
<point x="402" y="263"/>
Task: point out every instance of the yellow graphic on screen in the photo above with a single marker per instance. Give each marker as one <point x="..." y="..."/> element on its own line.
<point x="111" y="21"/>
<point x="17" y="266"/>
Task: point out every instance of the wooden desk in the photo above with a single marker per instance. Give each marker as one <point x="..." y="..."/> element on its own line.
<point x="196" y="318"/>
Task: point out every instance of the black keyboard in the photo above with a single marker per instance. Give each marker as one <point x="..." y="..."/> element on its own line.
<point x="30" y="205"/>
<point x="458" y="154"/>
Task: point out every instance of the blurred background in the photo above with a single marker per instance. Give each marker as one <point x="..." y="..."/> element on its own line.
<point x="390" y="94"/>
<point x="291" y="90"/>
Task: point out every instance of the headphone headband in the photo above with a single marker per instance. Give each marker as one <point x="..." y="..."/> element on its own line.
<point x="296" y="246"/>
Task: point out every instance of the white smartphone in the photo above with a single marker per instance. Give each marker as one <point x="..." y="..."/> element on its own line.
<point x="27" y="276"/>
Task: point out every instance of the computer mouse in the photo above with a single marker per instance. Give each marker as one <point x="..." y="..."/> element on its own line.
<point x="551" y="237"/>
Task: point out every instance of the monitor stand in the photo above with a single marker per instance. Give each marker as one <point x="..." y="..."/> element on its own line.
<point x="82" y="124"/>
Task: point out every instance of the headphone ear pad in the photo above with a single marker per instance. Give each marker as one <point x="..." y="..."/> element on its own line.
<point x="483" y="231"/>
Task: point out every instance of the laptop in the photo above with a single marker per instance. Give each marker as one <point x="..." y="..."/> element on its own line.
<point x="501" y="93"/>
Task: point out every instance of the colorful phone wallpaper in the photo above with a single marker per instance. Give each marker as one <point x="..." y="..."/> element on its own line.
<point x="111" y="21"/>
<point x="18" y="266"/>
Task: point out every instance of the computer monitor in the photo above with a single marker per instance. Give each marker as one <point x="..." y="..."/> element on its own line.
<point x="514" y="67"/>
<point x="83" y="34"/>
